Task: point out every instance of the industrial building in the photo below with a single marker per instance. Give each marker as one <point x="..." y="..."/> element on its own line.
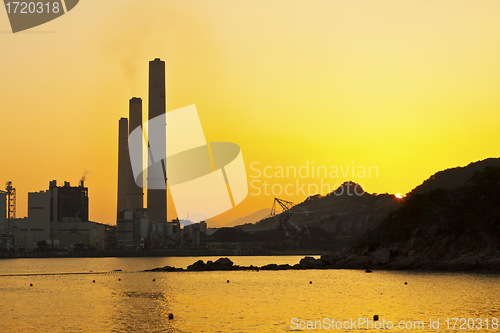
<point x="3" y="210"/>
<point x="138" y="227"/>
<point x="135" y="194"/>
<point x="135" y="224"/>
<point x="130" y="196"/>
<point x="166" y="234"/>
<point x="157" y="199"/>
<point x="133" y="228"/>
<point x="123" y="162"/>
<point x="59" y="216"/>
<point x="193" y="231"/>
<point x="192" y="234"/>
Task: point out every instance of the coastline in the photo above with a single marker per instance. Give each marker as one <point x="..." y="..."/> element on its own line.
<point x="330" y="262"/>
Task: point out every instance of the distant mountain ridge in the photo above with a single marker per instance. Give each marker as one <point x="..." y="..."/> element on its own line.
<point x="453" y="178"/>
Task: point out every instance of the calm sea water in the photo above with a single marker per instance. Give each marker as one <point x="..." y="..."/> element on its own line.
<point x="264" y="301"/>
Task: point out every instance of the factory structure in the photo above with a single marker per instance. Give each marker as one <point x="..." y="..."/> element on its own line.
<point x="8" y="230"/>
<point x="59" y="216"/>
<point x="140" y="227"/>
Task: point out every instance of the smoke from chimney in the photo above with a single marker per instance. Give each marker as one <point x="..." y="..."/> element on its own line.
<point x="85" y="173"/>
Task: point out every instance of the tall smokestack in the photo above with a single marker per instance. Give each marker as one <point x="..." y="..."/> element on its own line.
<point x="135" y="193"/>
<point x="157" y="199"/>
<point x="123" y="164"/>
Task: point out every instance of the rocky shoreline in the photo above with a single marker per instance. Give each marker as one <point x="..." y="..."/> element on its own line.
<point x="396" y="258"/>
<point x="380" y="259"/>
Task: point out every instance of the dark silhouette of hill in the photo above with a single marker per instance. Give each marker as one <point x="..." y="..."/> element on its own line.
<point x="346" y="213"/>
<point x="450" y="221"/>
<point x="233" y="235"/>
<point x="442" y="229"/>
<point x="454" y="177"/>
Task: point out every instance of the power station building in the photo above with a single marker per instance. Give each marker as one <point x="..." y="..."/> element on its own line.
<point x="157" y="199"/>
<point x="5" y="237"/>
<point x="3" y="210"/>
<point x="137" y="225"/>
<point x="60" y="216"/>
<point x="133" y="221"/>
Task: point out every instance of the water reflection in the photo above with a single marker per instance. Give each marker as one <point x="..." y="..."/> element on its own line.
<point x="263" y="301"/>
<point x="137" y="309"/>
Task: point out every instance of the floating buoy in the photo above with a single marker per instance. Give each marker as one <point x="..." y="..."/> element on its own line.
<point x="375" y="317"/>
<point x="227" y="281"/>
<point x="154" y="280"/>
<point x="310" y="282"/>
<point x="170" y="316"/>
<point x="93" y="281"/>
<point x="406" y="282"/>
<point x="31" y="284"/>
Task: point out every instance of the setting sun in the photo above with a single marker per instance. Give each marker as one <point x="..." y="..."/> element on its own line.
<point x="399" y="196"/>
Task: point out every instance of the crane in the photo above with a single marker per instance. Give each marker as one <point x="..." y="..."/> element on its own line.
<point x="288" y="208"/>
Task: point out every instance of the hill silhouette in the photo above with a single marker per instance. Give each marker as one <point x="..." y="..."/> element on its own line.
<point x="342" y="213"/>
<point x="454" y="177"/>
<point x="442" y="229"/>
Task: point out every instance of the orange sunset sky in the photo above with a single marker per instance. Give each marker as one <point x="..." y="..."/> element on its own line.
<point x="410" y="87"/>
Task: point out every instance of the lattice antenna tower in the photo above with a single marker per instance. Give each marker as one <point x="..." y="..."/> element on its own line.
<point x="11" y="201"/>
